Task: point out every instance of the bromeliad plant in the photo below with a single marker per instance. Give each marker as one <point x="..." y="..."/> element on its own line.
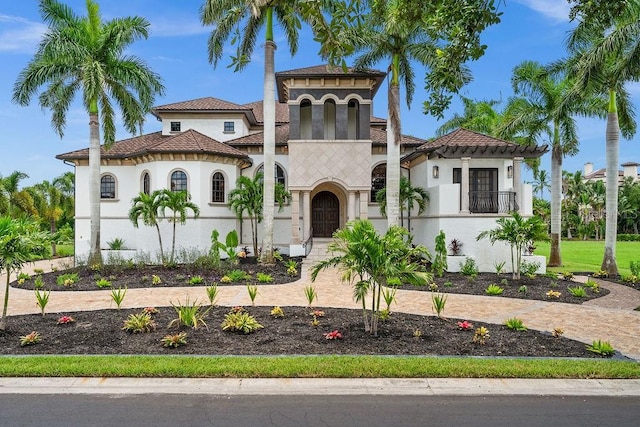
<point x="174" y="341"/>
<point x="30" y="339"/>
<point x="367" y="259"/>
<point x="65" y="320"/>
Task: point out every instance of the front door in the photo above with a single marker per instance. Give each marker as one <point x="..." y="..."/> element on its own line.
<point x="326" y="214"/>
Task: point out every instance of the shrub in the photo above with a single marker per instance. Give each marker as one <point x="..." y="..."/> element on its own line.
<point x="455" y="246"/>
<point x="438" y="301"/>
<point x="277" y="312"/>
<point x="117" y="295"/>
<point x="292" y="267"/>
<point x="22" y="277"/>
<point x="499" y="267"/>
<point x="529" y="268"/>
<point x="38" y="282"/>
<point x="515" y="324"/>
<point x="264" y="278"/>
<point x="557" y="332"/>
<point x="567" y="275"/>
<point x="30" y="339"/>
<point x="632" y="278"/>
<point x="225" y="279"/>
<point x="190" y="315"/>
<point x="139" y="323"/>
<point x="310" y="294"/>
<point x="252" y="290"/>
<point x="577" y="291"/>
<point x="67" y="279"/>
<point x="42" y="299"/>
<point x="634" y="266"/>
<point x="174" y="341"/>
<point x="439" y="264"/>
<point x="238" y="276"/>
<point x="553" y="294"/>
<point x="103" y="283"/>
<point x="523" y="289"/>
<point x="212" y="293"/>
<point x="155" y="279"/>
<point x="481" y="335"/>
<point x="603" y="348"/>
<point x="333" y="335"/>
<point x="494" y="290"/>
<point x="196" y="280"/>
<point x="592" y="285"/>
<point x="601" y="274"/>
<point x="116" y="244"/>
<point x="469" y="267"/>
<point x="240" y="321"/>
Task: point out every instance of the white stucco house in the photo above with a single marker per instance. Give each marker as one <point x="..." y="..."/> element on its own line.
<point x="331" y="156"/>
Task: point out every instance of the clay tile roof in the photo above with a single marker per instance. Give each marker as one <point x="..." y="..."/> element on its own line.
<point x="600" y="174"/>
<point x="189" y="141"/>
<point x="379" y="137"/>
<point x="463" y="142"/>
<point x="282" y="111"/>
<point x="282" y="137"/>
<point x="630" y="164"/>
<point x="377" y="120"/>
<point x="326" y="70"/>
<point x="208" y="103"/>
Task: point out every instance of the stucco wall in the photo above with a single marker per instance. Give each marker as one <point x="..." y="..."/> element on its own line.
<point x="207" y="124"/>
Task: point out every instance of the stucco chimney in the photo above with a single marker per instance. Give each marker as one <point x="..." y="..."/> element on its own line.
<point x="588" y="168"/>
<point x="630" y="169"/>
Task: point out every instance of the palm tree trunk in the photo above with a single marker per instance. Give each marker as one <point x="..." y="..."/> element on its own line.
<point x="613" y="153"/>
<point x="393" y="149"/>
<point x="268" y="208"/>
<point x="52" y="229"/>
<point x="95" y="257"/>
<point x="3" y="320"/>
<point x="173" y="239"/>
<point x="555" y="259"/>
<point x="160" y="242"/>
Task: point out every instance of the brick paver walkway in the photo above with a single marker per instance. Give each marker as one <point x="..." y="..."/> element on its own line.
<point x="609" y="318"/>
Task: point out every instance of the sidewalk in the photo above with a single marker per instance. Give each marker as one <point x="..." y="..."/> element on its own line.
<point x="610" y="318"/>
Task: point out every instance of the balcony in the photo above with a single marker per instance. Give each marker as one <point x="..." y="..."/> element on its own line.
<point x="492" y="201"/>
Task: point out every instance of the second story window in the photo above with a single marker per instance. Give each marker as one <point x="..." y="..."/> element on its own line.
<point x="175" y="126"/>
<point x="107" y="187"/>
<point x="229" y="127"/>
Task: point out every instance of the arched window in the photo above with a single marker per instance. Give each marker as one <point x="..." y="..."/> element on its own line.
<point x="146" y="183"/>
<point x="378" y="180"/>
<point x="330" y="119"/>
<point x="353" y="120"/>
<point x="279" y="174"/>
<point x="107" y="187"/>
<point x="178" y="181"/>
<point x="305" y="119"/>
<point x="217" y="188"/>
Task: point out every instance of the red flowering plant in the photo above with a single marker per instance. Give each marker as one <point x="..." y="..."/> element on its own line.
<point x="333" y="335"/>
<point x="465" y="325"/>
<point x="65" y="319"/>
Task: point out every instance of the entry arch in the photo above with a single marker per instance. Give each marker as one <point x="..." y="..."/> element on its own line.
<point x="328" y="209"/>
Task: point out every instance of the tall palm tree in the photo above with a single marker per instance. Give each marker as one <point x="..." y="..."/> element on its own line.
<point x="540" y="181"/>
<point x="14" y="201"/>
<point x="147" y="207"/>
<point x="409" y="196"/>
<point x="228" y="16"/>
<point x="480" y="116"/>
<point x="179" y="203"/>
<point x="86" y="54"/>
<point x="548" y="107"/>
<point x="49" y="201"/>
<point x="605" y="51"/>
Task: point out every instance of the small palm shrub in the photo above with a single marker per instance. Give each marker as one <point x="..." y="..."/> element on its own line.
<point x="240" y="321"/>
<point x="310" y="294"/>
<point x="212" y="293"/>
<point x="515" y="324"/>
<point x="174" y="341"/>
<point x="139" y="323"/>
<point x="494" y="290"/>
<point x="252" y="290"/>
<point x="439" y="301"/>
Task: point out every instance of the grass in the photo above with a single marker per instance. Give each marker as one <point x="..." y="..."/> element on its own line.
<point x="312" y="367"/>
<point x="580" y="255"/>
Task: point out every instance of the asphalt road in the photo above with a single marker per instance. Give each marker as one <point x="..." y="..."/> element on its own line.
<point x="353" y="410"/>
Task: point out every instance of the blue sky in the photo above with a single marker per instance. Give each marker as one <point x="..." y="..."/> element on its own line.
<point x="177" y="50"/>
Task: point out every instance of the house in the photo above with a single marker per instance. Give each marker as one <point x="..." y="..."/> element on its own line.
<point x="630" y="170"/>
<point x="330" y="155"/>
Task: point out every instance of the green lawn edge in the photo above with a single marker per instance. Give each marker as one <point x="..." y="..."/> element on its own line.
<point x="313" y="367"/>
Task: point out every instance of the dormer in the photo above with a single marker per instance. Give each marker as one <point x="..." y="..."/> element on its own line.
<point x="327" y="103"/>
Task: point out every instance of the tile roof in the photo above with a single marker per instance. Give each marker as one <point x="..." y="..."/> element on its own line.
<point x="282" y="111"/>
<point x="207" y="103"/>
<point x="379" y="137"/>
<point x="190" y="141"/>
<point x="327" y="70"/>
<point x="601" y="174"/>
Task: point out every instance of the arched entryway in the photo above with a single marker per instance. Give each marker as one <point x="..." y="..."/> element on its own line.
<point x="325" y="208"/>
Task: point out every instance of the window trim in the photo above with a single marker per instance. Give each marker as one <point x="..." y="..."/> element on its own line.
<point x="177" y="125"/>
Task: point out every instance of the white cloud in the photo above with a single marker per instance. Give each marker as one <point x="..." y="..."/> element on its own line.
<point x="557" y="10"/>
<point x="19" y="34"/>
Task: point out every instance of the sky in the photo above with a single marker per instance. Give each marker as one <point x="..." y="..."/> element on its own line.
<point x="177" y="50"/>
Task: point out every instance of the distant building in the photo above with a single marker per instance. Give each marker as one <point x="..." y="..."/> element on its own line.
<point x="630" y="169"/>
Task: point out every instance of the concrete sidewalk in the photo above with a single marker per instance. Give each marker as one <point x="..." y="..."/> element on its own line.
<point x="609" y="318"/>
<point x="321" y="386"/>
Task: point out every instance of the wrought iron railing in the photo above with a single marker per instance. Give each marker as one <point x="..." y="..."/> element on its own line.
<point x="308" y="244"/>
<point x="492" y="201"/>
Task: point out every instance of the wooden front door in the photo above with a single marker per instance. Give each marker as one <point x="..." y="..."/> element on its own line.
<point x="326" y="214"/>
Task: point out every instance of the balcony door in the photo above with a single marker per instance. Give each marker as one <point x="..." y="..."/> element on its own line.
<point x="483" y="189"/>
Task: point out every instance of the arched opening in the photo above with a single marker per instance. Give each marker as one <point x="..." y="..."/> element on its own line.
<point x="353" y="120"/>
<point x="378" y="180"/>
<point x="107" y="187"/>
<point x="329" y="119"/>
<point x="178" y="181"/>
<point x="146" y="183"/>
<point x="305" y="119"/>
<point x="325" y="213"/>
<point x="217" y="188"/>
<point x="279" y="176"/>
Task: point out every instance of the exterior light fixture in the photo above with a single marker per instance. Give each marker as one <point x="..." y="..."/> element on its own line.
<point x="509" y="171"/>
<point x="436" y="172"/>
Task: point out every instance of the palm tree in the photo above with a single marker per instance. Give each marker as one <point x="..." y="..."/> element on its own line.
<point x="549" y="109"/>
<point x="479" y="116"/>
<point x="179" y="203"/>
<point x="540" y="181"/>
<point x="147" y="207"/>
<point x="20" y="241"/>
<point x="49" y="201"/>
<point x="14" y="201"/>
<point x="86" y="54"/>
<point x="605" y="51"/>
<point x="227" y="16"/>
<point x="409" y="195"/>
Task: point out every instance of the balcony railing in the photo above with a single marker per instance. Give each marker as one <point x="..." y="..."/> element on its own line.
<point x="492" y="201"/>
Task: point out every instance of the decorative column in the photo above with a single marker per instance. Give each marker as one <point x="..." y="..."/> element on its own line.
<point x="517" y="181"/>
<point x="364" y="204"/>
<point x="464" y="186"/>
<point x="351" y="206"/>
<point x="306" y="213"/>
<point x="295" y="217"/>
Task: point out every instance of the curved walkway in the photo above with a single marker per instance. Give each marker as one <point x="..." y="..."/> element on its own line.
<point x="609" y="318"/>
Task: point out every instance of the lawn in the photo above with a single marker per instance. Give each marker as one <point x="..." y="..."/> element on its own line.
<point x="586" y="256"/>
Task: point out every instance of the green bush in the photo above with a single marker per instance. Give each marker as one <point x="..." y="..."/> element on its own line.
<point x="240" y="321"/>
<point x="139" y="323"/>
<point x="469" y="267"/>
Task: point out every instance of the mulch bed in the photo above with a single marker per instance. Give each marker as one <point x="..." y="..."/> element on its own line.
<point x="100" y="332"/>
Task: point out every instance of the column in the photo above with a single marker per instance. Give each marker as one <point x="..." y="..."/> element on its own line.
<point x="364" y="204"/>
<point x="306" y="213"/>
<point x="351" y="206"/>
<point x="464" y="185"/>
<point x="517" y="180"/>
<point x="295" y="217"/>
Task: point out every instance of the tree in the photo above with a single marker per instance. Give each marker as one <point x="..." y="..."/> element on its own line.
<point x="86" y="55"/>
<point x="549" y="109"/>
<point x="517" y="232"/>
<point x="49" y="201"/>
<point x="405" y="32"/>
<point x="478" y="116"/>
<point x="409" y="195"/>
<point x="605" y="54"/>
<point x="248" y="196"/>
<point x="540" y="181"/>
<point x="179" y="203"/>
<point x="13" y="201"/>
<point x="369" y="261"/>
<point x="20" y="241"/>
<point x="147" y="207"/>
